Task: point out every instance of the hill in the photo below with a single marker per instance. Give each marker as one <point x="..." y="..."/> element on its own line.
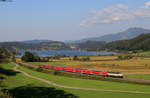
<point x="34" y="45"/>
<point x="36" y="41"/>
<point x="91" y="45"/>
<point x="141" y="42"/>
<point x="127" y="34"/>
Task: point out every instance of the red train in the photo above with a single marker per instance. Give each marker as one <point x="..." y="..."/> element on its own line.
<point x="84" y="71"/>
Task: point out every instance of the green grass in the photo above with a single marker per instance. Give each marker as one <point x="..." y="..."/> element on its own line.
<point x="146" y="53"/>
<point x="140" y="76"/>
<point x="21" y="80"/>
<point x="6" y="65"/>
<point x="18" y="79"/>
<point x="89" y="83"/>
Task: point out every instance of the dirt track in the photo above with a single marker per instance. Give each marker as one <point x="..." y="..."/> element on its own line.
<point x="77" y="88"/>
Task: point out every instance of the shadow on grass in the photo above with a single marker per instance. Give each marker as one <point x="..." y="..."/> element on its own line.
<point x="39" y="92"/>
<point x="7" y="72"/>
<point x="2" y="77"/>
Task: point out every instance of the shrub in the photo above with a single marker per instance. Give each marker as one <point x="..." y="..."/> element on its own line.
<point x="4" y="95"/>
<point x="54" y="72"/>
<point x="85" y="59"/>
<point x="123" y="57"/>
<point x="39" y="69"/>
<point x="75" y="58"/>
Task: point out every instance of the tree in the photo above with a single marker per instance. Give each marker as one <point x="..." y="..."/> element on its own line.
<point x="4" y="55"/>
<point x="30" y="57"/>
<point x="13" y="58"/>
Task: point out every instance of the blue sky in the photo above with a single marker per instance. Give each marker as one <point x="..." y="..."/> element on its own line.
<point x="70" y="19"/>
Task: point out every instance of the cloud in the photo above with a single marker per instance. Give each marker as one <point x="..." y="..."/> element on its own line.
<point x="119" y="13"/>
<point x="146" y="5"/>
<point x="122" y="6"/>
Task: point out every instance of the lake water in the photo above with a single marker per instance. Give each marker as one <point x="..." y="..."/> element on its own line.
<point x="69" y="53"/>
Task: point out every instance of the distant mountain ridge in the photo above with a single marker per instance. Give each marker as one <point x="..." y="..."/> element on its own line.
<point x="37" y="41"/>
<point x="125" y="35"/>
<point x="35" y="45"/>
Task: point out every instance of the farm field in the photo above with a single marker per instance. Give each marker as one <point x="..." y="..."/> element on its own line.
<point x="142" y="76"/>
<point x="137" y="65"/>
<point x="21" y="80"/>
<point x="146" y="53"/>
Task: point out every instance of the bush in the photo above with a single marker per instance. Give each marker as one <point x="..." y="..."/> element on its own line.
<point x="75" y="58"/>
<point x="85" y="59"/>
<point x="81" y="59"/>
<point x="54" y="72"/>
<point x="4" y="95"/>
<point x="39" y="69"/>
<point x="123" y="57"/>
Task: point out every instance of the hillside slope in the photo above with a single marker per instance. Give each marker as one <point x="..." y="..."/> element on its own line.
<point x="141" y="42"/>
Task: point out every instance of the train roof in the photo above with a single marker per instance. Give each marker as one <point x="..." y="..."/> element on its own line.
<point x="98" y="71"/>
<point x="84" y="69"/>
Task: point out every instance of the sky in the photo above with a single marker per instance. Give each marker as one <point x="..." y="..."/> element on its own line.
<point x="63" y="20"/>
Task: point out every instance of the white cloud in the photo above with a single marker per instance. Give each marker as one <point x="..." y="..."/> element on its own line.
<point x="119" y="13"/>
<point x="122" y="6"/>
<point x="146" y="5"/>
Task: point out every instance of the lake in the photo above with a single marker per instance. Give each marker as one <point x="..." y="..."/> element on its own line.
<point x="68" y="53"/>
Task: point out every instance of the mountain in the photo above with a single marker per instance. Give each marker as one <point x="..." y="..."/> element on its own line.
<point x="90" y="45"/>
<point x="35" y="45"/>
<point x="36" y="41"/>
<point x="127" y="34"/>
<point x="142" y="42"/>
